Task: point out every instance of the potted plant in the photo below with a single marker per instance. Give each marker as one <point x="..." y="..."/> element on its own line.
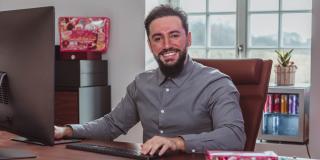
<point x="285" y="69"/>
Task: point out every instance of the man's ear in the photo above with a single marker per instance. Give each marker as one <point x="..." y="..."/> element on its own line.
<point x="189" y="39"/>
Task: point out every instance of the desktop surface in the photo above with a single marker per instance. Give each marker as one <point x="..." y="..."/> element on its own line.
<point x="62" y="153"/>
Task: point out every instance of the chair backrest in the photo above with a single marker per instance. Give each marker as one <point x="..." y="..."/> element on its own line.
<point x="251" y="77"/>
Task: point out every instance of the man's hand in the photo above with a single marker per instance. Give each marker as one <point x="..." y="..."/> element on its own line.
<point x="162" y="144"/>
<point x="62" y="132"/>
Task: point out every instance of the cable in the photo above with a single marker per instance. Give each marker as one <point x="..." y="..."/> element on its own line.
<point x="307" y="146"/>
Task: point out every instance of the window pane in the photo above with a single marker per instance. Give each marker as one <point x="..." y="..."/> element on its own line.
<point x="197" y="53"/>
<point x="265" y="54"/>
<point x="222" y="5"/>
<point x="296" y="30"/>
<point x="150" y="4"/>
<point x="193" y="6"/>
<point x="263" y="30"/>
<point x="222" y="30"/>
<point x="263" y="5"/>
<point x="222" y="54"/>
<point x="197" y="27"/>
<point x="301" y="57"/>
<point x="296" y="4"/>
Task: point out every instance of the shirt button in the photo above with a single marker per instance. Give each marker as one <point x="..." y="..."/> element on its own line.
<point x="167" y="89"/>
<point x="193" y="150"/>
<point x="161" y="131"/>
<point x="162" y="111"/>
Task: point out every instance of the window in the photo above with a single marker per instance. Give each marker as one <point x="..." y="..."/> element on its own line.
<point x="248" y="29"/>
<point x="281" y="24"/>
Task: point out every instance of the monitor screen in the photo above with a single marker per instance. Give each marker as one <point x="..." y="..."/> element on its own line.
<point x="27" y="67"/>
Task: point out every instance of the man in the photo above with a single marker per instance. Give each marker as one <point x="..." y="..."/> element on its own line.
<point x="182" y="105"/>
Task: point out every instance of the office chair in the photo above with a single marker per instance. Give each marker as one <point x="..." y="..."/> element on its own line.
<point x="251" y="77"/>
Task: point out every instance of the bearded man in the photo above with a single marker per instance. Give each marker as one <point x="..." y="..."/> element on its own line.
<point x="182" y="105"/>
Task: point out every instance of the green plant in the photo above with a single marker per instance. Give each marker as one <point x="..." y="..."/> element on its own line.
<point x="284" y="57"/>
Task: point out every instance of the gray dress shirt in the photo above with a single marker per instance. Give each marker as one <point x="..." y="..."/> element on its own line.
<point x="201" y="105"/>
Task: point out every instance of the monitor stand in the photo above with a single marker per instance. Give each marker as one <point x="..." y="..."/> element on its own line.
<point x="7" y="153"/>
<point x="56" y="142"/>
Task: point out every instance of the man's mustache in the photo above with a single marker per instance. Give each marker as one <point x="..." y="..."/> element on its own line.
<point x="169" y="50"/>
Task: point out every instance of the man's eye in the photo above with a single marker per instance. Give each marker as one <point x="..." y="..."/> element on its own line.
<point x="175" y="35"/>
<point x="157" y="39"/>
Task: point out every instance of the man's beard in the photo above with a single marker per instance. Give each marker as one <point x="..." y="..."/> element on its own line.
<point x="172" y="70"/>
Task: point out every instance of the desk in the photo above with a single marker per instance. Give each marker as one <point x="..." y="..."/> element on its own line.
<point x="59" y="152"/>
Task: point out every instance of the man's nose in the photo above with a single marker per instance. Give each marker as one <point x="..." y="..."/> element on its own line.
<point x="167" y="42"/>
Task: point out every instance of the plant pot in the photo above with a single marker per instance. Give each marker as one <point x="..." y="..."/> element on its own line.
<point x="285" y="76"/>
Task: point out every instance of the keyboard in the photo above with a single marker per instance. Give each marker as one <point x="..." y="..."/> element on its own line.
<point x="115" y="151"/>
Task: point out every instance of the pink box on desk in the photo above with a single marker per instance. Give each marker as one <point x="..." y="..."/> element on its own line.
<point x="240" y="155"/>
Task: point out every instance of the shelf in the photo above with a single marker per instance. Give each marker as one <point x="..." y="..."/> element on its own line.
<point x="281" y="114"/>
<point x="283" y="149"/>
<point x="286" y="114"/>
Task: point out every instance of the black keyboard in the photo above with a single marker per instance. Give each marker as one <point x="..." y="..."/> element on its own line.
<point x="110" y="150"/>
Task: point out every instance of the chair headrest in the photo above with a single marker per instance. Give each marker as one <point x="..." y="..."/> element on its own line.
<point x="241" y="71"/>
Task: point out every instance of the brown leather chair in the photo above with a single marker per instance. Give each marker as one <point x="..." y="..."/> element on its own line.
<point x="251" y="77"/>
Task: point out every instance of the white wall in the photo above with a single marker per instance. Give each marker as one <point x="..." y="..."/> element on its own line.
<point x="315" y="82"/>
<point x="126" y="48"/>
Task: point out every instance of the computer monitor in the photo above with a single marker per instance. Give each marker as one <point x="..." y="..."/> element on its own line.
<point x="27" y="67"/>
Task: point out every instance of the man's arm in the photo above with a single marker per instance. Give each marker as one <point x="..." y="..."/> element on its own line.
<point x="227" y="122"/>
<point x="110" y="126"/>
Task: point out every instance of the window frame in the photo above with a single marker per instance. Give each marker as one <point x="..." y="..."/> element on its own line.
<point x="242" y="15"/>
<point x="241" y="47"/>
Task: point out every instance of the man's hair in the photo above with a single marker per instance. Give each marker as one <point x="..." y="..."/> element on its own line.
<point x="163" y="11"/>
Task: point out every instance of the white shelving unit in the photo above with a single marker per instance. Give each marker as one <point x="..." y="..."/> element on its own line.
<point x="286" y="115"/>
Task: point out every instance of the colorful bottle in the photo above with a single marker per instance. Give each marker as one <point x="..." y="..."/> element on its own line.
<point x="293" y="104"/>
<point x="276" y="104"/>
<point x="284" y="104"/>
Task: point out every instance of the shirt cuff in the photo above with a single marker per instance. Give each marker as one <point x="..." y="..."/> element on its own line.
<point x="77" y="129"/>
<point x="192" y="144"/>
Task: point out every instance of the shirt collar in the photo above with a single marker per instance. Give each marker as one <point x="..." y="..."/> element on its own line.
<point x="187" y="68"/>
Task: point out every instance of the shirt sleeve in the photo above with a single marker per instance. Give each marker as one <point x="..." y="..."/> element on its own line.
<point x="110" y="126"/>
<point x="227" y="123"/>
